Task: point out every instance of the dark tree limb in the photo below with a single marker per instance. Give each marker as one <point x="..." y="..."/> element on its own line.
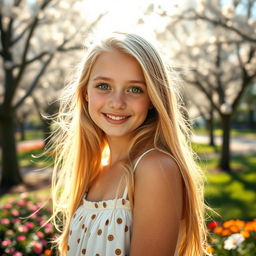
<point x="34" y="83"/>
<point x="192" y="15"/>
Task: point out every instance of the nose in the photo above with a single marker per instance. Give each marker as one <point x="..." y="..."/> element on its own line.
<point x="117" y="101"/>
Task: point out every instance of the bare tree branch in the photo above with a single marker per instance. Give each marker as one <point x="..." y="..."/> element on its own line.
<point x="21" y="35"/>
<point x="196" y="16"/>
<point x="34" y="83"/>
<point x="27" y="43"/>
<point x="200" y="86"/>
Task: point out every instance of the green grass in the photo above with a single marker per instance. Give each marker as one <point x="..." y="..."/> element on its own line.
<point x="232" y="195"/>
<point x="32" y="135"/>
<point x="35" y="158"/>
<point x="234" y="132"/>
<point x="201" y="148"/>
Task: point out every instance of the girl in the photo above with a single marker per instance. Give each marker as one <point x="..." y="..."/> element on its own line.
<point x="127" y="183"/>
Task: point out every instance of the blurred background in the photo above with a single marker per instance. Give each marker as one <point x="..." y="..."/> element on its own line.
<point x="210" y="44"/>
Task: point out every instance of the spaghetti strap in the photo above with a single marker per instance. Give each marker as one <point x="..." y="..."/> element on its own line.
<point x="135" y="166"/>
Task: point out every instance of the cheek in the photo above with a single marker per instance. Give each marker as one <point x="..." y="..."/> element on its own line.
<point x="96" y="101"/>
<point x="141" y="107"/>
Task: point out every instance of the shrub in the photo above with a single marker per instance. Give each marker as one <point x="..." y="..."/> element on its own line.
<point x="22" y="234"/>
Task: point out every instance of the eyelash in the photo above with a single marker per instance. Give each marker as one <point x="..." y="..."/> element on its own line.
<point x="100" y="84"/>
<point x="140" y="90"/>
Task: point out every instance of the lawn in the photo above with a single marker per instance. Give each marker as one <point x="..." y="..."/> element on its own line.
<point x="232" y="195"/>
<point x="250" y="133"/>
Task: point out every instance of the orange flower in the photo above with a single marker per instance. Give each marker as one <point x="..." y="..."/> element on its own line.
<point x="209" y="250"/>
<point x="239" y="223"/>
<point x="245" y="234"/>
<point x="250" y="226"/>
<point x="228" y="223"/>
<point x="234" y="229"/>
<point x="48" y="252"/>
<point x="225" y="232"/>
<point x="218" y="230"/>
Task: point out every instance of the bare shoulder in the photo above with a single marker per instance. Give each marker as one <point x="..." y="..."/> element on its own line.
<point x="157" y="196"/>
<point x="155" y="164"/>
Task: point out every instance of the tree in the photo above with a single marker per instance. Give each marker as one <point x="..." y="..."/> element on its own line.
<point x="217" y="43"/>
<point x="32" y="33"/>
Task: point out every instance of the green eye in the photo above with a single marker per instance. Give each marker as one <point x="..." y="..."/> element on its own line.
<point x="102" y="86"/>
<point x="135" y="89"/>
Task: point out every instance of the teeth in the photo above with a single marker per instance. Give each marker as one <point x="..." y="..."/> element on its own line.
<point x="116" y="117"/>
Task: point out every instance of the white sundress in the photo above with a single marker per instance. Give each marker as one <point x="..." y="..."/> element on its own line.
<point x="102" y="228"/>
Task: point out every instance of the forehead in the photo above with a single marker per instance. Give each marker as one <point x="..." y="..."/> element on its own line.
<point x="116" y="65"/>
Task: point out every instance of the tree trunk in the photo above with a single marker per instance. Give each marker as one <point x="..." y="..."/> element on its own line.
<point x="224" y="163"/>
<point x="210" y="128"/>
<point x="10" y="168"/>
<point x="251" y="117"/>
<point x="21" y="127"/>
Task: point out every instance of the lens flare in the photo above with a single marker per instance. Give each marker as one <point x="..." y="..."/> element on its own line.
<point x="105" y="157"/>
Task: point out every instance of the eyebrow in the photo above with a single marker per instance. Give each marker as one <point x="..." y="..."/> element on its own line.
<point x="111" y="80"/>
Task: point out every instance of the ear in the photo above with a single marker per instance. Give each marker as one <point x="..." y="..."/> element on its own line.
<point x="86" y="96"/>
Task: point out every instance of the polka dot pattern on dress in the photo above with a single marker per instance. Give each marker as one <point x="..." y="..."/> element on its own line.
<point x="97" y="226"/>
<point x="104" y="228"/>
<point x="118" y="252"/>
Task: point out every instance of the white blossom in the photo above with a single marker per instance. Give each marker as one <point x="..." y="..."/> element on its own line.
<point x="226" y="109"/>
<point x="233" y="241"/>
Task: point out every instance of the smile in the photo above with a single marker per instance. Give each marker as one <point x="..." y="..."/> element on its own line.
<point x="116" y="117"/>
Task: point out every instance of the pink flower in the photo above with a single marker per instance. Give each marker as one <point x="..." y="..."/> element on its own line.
<point x="44" y="242"/>
<point x="33" y="207"/>
<point x="40" y="234"/>
<point x="17" y="254"/>
<point x="30" y="224"/>
<point x="22" y="203"/>
<point x="10" y="250"/>
<point x="15" y="213"/>
<point x="22" y="228"/>
<point x="8" y="206"/>
<point x="37" y="247"/>
<point x="9" y="232"/>
<point x="5" y="221"/>
<point x="21" y="238"/>
<point x="48" y="230"/>
<point x="6" y="242"/>
<point x="16" y="220"/>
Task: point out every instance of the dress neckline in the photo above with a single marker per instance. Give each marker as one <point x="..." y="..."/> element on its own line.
<point x="106" y="204"/>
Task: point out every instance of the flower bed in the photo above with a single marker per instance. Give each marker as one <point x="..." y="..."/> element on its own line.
<point x="233" y="237"/>
<point x="22" y="235"/>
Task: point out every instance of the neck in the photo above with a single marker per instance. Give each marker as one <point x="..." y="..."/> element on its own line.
<point x="118" y="149"/>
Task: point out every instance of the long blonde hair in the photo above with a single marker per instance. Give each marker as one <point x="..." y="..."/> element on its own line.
<point x="77" y="142"/>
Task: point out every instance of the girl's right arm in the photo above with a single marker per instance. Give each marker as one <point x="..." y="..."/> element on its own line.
<point x="157" y="206"/>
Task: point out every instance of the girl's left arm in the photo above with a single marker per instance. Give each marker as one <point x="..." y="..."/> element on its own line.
<point x="158" y="203"/>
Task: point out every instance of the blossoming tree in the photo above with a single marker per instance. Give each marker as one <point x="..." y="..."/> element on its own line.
<point x="32" y="33"/>
<point x="215" y="43"/>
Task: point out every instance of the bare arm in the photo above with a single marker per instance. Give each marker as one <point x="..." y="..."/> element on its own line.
<point x="157" y="206"/>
